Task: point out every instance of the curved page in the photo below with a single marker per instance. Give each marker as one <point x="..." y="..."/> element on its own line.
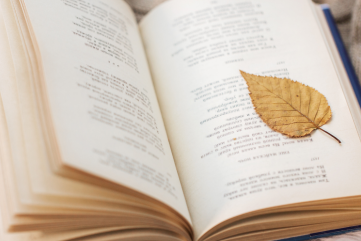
<point x="101" y="96"/>
<point x="229" y="161"/>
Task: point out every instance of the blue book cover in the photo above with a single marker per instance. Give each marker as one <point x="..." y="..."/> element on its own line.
<point x="343" y="52"/>
<point x="357" y="89"/>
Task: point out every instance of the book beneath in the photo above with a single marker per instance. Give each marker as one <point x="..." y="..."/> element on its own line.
<point x="110" y="130"/>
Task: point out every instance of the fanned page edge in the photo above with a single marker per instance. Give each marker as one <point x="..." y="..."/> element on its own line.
<point x="146" y="198"/>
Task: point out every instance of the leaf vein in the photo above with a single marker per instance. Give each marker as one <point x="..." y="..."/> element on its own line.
<point x="282" y="110"/>
<point x="281" y="117"/>
<point x="273" y="103"/>
<point x="324" y="115"/>
<point x="289" y="90"/>
<point x="318" y="108"/>
<point x="292" y="123"/>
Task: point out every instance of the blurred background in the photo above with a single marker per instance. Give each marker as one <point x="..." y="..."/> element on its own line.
<point x="347" y="14"/>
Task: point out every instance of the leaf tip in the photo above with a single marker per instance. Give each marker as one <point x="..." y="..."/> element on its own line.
<point x="242" y="73"/>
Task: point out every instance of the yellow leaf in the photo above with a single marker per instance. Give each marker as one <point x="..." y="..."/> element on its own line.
<point x="288" y="106"/>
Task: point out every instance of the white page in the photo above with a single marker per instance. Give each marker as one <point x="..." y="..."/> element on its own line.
<point x="229" y="162"/>
<point x="101" y="96"/>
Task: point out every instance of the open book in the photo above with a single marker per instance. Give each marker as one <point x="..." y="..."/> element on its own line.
<point x="116" y="131"/>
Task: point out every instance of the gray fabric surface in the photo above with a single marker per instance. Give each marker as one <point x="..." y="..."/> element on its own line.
<point x="142" y="7"/>
<point x="347" y="14"/>
<point x="355" y="38"/>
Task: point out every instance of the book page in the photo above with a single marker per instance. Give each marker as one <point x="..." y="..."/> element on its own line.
<point x="102" y="101"/>
<point x="229" y="161"/>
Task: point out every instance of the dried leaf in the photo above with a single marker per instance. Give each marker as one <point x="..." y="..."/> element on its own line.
<point x="288" y="106"/>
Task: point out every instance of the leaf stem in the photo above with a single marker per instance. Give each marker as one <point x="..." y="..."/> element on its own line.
<point x="329" y="134"/>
